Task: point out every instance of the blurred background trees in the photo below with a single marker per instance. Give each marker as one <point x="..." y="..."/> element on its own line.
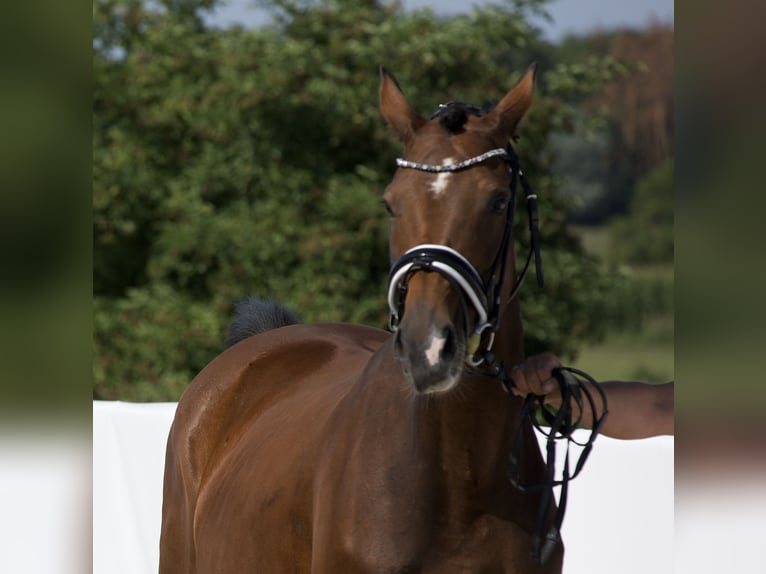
<point x="230" y="162"/>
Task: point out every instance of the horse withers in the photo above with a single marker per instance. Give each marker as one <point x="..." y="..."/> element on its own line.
<point x="336" y="448"/>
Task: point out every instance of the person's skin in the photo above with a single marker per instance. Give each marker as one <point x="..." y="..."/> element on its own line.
<point x="636" y="410"/>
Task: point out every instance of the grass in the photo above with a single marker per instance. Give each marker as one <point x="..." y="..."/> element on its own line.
<point x="643" y="355"/>
<point x="619" y="358"/>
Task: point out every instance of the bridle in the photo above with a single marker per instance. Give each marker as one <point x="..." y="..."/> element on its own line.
<point x="483" y="297"/>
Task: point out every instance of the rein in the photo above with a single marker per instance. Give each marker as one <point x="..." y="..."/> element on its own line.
<point x="485" y="299"/>
<point x="562" y="427"/>
<point x="562" y="424"/>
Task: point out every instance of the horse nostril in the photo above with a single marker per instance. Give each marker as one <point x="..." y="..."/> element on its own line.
<point x="449" y="349"/>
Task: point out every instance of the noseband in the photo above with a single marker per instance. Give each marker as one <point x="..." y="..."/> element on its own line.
<point x="483" y="297"/>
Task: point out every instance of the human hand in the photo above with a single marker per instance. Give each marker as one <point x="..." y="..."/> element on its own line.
<point x="535" y="375"/>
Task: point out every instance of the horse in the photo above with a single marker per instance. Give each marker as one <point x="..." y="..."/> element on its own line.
<point x="340" y="448"/>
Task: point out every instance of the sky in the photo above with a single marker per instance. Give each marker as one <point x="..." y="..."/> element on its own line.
<point x="569" y="16"/>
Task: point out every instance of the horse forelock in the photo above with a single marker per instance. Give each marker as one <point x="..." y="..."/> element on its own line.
<point x="453" y="116"/>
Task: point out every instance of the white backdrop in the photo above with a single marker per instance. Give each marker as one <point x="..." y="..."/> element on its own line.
<point x="619" y="517"/>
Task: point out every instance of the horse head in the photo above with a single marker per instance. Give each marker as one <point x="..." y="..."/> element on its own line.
<point x="451" y="214"/>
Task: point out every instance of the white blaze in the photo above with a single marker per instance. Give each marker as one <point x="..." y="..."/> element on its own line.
<point x="440" y="184"/>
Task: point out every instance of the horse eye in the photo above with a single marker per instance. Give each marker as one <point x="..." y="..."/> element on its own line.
<point x="388" y="207"/>
<point x="498" y="204"/>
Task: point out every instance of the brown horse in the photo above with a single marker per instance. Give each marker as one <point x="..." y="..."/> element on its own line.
<point x="333" y="448"/>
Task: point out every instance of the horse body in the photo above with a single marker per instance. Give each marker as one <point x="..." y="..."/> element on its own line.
<point x="343" y="449"/>
<point x="338" y="466"/>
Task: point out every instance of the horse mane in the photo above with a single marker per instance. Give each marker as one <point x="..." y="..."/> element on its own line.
<point x="453" y="115"/>
<point x="253" y="316"/>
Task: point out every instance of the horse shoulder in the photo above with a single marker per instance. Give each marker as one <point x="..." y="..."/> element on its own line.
<point x="263" y="400"/>
<point x="257" y="373"/>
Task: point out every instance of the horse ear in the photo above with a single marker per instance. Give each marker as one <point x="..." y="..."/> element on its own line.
<point x="506" y="116"/>
<point x="395" y="108"/>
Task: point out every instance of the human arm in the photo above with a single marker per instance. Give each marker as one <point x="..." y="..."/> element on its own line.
<point x="636" y="409"/>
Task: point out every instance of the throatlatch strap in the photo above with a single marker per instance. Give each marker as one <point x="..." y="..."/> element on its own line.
<point x="534" y="231"/>
<point x="531" y="197"/>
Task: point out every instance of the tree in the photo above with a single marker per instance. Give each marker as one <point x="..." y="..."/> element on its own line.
<point x="635" y="131"/>
<point x="233" y="162"/>
<point x="645" y="234"/>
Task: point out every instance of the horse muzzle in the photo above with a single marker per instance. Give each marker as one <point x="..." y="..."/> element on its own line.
<point x="429" y="345"/>
<point x="431" y="351"/>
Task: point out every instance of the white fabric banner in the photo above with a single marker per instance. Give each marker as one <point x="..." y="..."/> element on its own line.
<point x="619" y="516"/>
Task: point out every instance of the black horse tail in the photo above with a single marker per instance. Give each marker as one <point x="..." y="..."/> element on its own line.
<point x="253" y="316"/>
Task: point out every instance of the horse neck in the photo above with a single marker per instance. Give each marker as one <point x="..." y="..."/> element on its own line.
<point x="495" y="413"/>
<point x="508" y="347"/>
<point x="469" y="435"/>
<point x="476" y="428"/>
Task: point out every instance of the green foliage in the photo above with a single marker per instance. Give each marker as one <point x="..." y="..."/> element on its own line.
<point x="638" y="344"/>
<point x="634" y="299"/>
<point x="645" y="235"/>
<point x="232" y="162"/>
<point x="148" y="341"/>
